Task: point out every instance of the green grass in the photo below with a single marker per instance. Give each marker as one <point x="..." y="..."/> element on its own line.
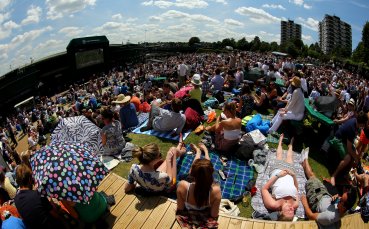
<point x="140" y="140"/>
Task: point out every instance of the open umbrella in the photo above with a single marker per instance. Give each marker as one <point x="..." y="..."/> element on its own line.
<point x="67" y="171"/>
<point x="79" y="129"/>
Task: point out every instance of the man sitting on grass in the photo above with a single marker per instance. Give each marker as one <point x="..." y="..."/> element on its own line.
<point x="343" y="142"/>
<point x="320" y="206"/>
<point x="163" y="120"/>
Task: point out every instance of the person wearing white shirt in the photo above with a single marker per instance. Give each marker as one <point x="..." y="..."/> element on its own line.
<point x="182" y="70"/>
<point x="294" y="109"/>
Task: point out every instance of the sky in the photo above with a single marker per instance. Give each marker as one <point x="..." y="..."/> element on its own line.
<point x="34" y="29"/>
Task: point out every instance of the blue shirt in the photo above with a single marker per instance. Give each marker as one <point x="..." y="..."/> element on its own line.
<point x="128" y="116"/>
<point x="347" y="131"/>
<point x="218" y="82"/>
<point x="123" y="89"/>
<point x="13" y="223"/>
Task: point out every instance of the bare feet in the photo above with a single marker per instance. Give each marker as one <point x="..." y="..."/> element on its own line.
<point x="281" y="139"/>
<point x="291" y="142"/>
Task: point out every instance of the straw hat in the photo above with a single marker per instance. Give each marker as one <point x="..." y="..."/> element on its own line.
<point x="295" y="81"/>
<point x="122" y="99"/>
<point x="196" y="80"/>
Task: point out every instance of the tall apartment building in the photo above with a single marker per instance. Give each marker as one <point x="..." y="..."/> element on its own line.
<point x="290" y="31"/>
<point x="334" y="33"/>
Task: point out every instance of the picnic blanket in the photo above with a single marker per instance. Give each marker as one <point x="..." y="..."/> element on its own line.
<point x="167" y="135"/>
<point x="262" y="179"/>
<point x="238" y="174"/>
<point x="142" y="117"/>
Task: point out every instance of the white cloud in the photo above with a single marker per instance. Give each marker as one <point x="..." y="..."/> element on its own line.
<point x="273" y="6"/>
<point x="117" y="17"/>
<point x="297" y="2"/>
<point x="258" y="16"/>
<point x="306" y="6"/>
<point x="132" y="19"/>
<point x="4" y="4"/>
<point x="233" y="22"/>
<point x="309" y="23"/>
<point x="33" y="15"/>
<point x="70" y="31"/>
<point x="59" y="8"/>
<point x="306" y="38"/>
<point x="224" y="2"/>
<point x="28" y="36"/>
<point x="174" y="14"/>
<point x="10" y="25"/>
<point x="190" y="4"/>
<point x="7" y="28"/>
<point x="4" y="17"/>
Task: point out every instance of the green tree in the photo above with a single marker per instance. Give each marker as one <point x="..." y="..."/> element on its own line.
<point x="264" y="46"/>
<point x="193" y="40"/>
<point x="242" y="44"/>
<point x="274" y="46"/>
<point x="359" y="53"/>
<point x="255" y="44"/>
<point x="365" y="40"/>
<point x="229" y="42"/>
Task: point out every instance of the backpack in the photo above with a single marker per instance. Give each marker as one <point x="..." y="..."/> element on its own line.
<point x="193" y="119"/>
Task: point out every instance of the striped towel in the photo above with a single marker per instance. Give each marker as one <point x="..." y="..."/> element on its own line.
<point x="167" y="135"/>
<point x="142" y="117"/>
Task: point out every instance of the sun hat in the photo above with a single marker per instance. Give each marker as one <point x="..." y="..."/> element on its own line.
<point x="352" y="102"/>
<point x="122" y="99"/>
<point x="295" y="81"/>
<point x="196" y="80"/>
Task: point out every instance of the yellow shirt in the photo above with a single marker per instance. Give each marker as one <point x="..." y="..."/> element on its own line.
<point x="196" y="94"/>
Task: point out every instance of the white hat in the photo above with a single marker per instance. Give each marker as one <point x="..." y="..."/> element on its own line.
<point x="196" y="79"/>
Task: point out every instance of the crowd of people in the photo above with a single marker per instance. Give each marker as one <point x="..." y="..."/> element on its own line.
<point x="114" y="100"/>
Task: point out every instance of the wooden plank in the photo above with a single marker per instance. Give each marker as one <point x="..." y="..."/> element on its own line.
<point x="279" y="225"/>
<point x="176" y="225"/>
<point x="356" y="222"/>
<point x="269" y="225"/>
<point x="117" y="189"/>
<point x="119" y="209"/>
<point x="235" y="224"/>
<point x="169" y="217"/>
<point x="310" y="225"/>
<point x="157" y="214"/>
<point x="223" y="221"/>
<point x="258" y="225"/>
<point x="297" y="225"/>
<point x="144" y="212"/>
<point x="130" y="213"/>
<point x="109" y="180"/>
<point x="247" y="224"/>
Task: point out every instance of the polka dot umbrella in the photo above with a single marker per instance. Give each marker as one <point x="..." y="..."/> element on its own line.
<point x="67" y="171"/>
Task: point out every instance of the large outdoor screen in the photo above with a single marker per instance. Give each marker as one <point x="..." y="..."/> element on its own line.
<point x="88" y="58"/>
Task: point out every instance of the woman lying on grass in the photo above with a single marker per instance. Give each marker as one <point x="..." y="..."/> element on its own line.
<point x="283" y="183"/>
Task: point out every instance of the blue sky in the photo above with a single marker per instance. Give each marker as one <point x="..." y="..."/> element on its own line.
<point x="37" y="28"/>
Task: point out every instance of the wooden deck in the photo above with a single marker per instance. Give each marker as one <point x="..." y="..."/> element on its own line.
<point x="132" y="211"/>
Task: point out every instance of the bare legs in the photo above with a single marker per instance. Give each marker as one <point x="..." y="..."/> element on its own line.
<point x="279" y="148"/>
<point x="289" y="158"/>
<point x="345" y="162"/>
<point x="307" y="169"/>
